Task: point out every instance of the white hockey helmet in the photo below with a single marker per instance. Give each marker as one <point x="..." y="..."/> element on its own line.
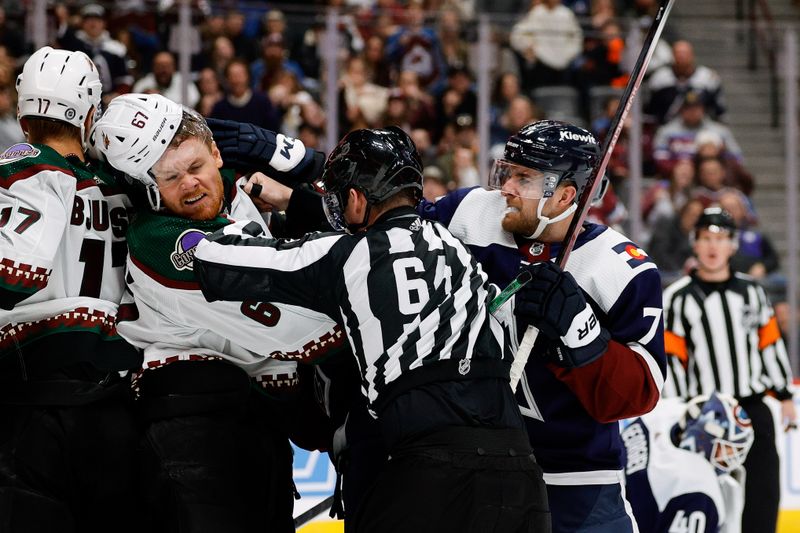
<point x="59" y="85"/>
<point x="133" y="134"/>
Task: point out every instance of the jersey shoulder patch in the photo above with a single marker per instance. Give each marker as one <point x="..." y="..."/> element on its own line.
<point x="163" y="246"/>
<point x="621" y="261"/>
<point x="24" y="160"/>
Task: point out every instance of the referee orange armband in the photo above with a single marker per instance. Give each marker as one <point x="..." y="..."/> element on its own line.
<point x="768" y="334"/>
<point x="676" y="345"/>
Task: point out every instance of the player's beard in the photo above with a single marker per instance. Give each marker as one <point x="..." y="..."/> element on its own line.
<point x="205" y="209"/>
<point x="520" y="218"/>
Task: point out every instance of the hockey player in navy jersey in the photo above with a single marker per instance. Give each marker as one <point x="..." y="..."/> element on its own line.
<point x="220" y="375"/>
<point x="576" y="385"/>
<point x="683" y="470"/>
<point x="67" y="436"/>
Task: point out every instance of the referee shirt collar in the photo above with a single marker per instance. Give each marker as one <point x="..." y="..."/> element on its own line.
<point x="392" y="216"/>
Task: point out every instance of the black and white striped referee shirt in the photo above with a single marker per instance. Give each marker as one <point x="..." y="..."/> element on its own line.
<point x="723" y="337"/>
<point x="411" y="297"/>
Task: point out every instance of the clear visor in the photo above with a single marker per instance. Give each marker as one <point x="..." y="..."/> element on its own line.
<point x="519" y="180"/>
<point x="334" y="211"/>
<point x="728" y="456"/>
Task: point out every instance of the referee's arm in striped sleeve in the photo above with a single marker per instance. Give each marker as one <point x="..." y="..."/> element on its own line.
<point x="675" y="347"/>
<point x="773" y="350"/>
<point x="235" y="263"/>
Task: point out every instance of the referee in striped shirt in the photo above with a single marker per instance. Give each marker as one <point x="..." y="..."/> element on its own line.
<point x="434" y="363"/>
<point x="722" y="335"/>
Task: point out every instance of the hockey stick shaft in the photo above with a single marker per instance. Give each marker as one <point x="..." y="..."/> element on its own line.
<point x="615" y="129"/>
<point x="308" y="515"/>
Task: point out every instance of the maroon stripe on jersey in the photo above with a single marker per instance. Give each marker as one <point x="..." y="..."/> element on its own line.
<point x="617" y="385"/>
<point x="85" y="184"/>
<point x="81" y="318"/>
<point x="127" y="312"/>
<point x="163" y="280"/>
<point x="26" y="277"/>
<point x="27" y="172"/>
<point x="314" y="350"/>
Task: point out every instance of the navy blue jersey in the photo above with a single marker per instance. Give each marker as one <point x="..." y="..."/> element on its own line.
<point x="572" y="414"/>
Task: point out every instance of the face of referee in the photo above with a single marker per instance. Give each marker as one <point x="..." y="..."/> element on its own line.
<point x="713" y="250"/>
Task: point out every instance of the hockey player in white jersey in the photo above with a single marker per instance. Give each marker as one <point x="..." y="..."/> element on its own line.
<point x="67" y="436"/>
<point x="200" y="358"/>
<point x="683" y="467"/>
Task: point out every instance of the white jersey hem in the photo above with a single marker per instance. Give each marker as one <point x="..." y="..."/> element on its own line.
<point x="595" y="477"/>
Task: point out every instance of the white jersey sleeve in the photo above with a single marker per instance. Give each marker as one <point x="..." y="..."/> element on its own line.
<point x="35" y="205"/>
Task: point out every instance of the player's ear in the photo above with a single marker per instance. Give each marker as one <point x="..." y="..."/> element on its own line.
<point x="355" y="197"/>
<point x="216" y="155"/>
<point x="565" y="195"/>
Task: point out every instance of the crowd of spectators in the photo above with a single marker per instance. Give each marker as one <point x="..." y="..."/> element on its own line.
<point x="412" y="63"/>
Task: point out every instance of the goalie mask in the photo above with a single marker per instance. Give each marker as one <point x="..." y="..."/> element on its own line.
<point x="59" y="85"/>
<point x="379" y="163"/>
<point x="718" y="428"/>
<point x="543" y="155"/>
<point x="134" y="133"/>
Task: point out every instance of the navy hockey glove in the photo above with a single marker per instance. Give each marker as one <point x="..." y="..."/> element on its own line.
<point x="553" y="302"/>
<point x="249" y="148"/>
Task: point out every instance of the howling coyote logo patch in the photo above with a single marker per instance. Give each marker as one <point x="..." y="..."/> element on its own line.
<point x="183" y="256"/>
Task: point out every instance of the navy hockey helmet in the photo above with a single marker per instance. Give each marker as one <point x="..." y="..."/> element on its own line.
<point x="559" y="152"/>
<point x="718" y="428"/>
<point x="716" y="220"/>
<point x="378" y="162"/>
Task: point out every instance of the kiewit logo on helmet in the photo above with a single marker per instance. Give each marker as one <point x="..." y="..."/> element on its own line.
<point x="575" y="137"/>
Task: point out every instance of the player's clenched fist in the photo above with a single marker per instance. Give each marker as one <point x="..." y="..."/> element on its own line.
<point x="267" y="193"/>
<point x="553" y="303"/>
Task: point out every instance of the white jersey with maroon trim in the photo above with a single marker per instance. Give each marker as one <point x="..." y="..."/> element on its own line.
<point x="62" y="256"/>
<point x="171" y="320"/>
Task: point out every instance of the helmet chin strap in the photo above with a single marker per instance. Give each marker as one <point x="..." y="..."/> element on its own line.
<point x="545" y="221"/>
<point x="154" y="197"/>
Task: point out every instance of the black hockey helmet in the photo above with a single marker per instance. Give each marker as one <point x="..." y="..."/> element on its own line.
<point x="562" y="151"/>
<point x="378" y="162"/>
<point x="715" y="219"/>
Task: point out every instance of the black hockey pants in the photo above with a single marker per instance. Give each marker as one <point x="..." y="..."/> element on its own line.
<point x="212" y="458"/>
<point x="459" y="480"/>
<point x="762" y="491"/>
<point x="67" y="454"/>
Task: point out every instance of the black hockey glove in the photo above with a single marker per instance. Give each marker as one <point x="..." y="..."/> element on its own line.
<point x="249" y="148"/>
<point x="553" y="302"/>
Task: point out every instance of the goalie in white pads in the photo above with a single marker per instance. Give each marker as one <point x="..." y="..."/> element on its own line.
<point x="684" y="463"/>
<point x="200" y="358"/>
